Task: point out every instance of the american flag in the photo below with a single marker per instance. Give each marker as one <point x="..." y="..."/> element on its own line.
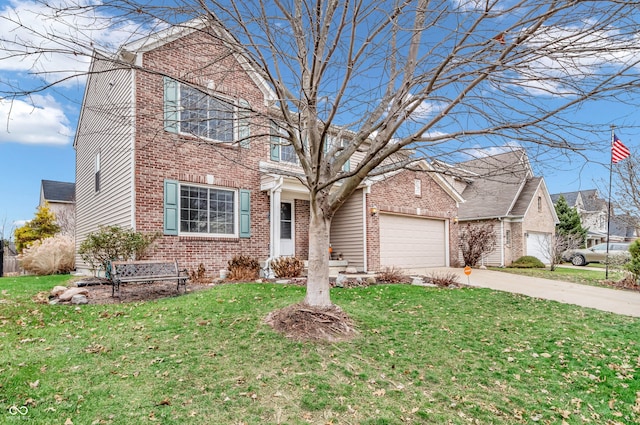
<point x="618" y="150"/>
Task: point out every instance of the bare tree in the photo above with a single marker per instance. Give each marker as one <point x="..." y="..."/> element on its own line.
<point x="400" y="80"/>
<point x="558" y="244"/>
<point x="476" y="241"/>
<point x="626" y="191"/>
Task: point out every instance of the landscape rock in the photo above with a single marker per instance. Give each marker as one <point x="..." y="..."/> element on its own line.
<point x="371" y="280"/>
<point x="341" y="280"/>
<point x="79" y="299"/>
<point x="57" y="290"/>
<point x="351" y="270"/>
<point x="69" y="293"/>
<point x="417" y="280"/>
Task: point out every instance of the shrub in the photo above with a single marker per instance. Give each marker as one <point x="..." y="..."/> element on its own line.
<point x="633" y="266"/>
<point x="476" y="241"/>
<point x="528" y="262"/>
<point x="444" y="279"/>
<point x="198" y="276"/>
<point x="41" y="227"/>
<point x="287" y="267"/>
<point x="392" y="275"/>
<point x="52" y="255"/>
<point x="111" y="243"/>
<point x="243" y="267"/>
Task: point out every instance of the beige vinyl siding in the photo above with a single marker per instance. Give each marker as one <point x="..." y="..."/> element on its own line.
<point x="494" y="258"/>
<point x="105" y="126"/>
<point x="347" y="231"/>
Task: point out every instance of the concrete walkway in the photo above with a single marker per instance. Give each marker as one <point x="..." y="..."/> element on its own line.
<point x="605" y="299"/>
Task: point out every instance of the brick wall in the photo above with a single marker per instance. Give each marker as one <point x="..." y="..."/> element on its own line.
<point x="302" y="209"/>
<point x="397" y="194"/>
<point x="160" y="155"/>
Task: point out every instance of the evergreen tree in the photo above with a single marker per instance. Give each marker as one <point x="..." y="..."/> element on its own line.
<point x="570" y="224"/>
<point x="42" y="226"/>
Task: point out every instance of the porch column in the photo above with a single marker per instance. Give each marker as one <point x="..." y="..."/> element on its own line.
<point x="275" y="222"/>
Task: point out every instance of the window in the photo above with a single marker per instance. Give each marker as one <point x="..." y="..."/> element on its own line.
<point x="507" y="237"/>
<point x="190" y="111"/>
<point x="539" y="203"/>
<point x="207" y="210"/>
<point x="281" y="149"/>
<point x="333" y="141"/>
<point x="97" y="173"/>
<point x="417" y="187"/>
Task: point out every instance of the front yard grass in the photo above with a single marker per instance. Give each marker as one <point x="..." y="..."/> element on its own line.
<point x="424" y="356"/>
<point x="566" y="274"/>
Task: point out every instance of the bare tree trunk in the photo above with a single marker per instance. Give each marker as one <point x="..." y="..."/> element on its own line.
<point x="318" y="273"/>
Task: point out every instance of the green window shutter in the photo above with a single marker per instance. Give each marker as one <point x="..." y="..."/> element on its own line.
<point x="244" y="128"/>
<point x="171" y="207"/>
<point x="275" y="142"/>
<point x="245" y="213"/>
<point x="171" y="119"/>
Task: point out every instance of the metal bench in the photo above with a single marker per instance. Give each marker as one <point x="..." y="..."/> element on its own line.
<point x="145" y="272"/>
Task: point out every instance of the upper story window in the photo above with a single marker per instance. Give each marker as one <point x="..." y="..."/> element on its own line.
<point x="206" y="116"/>
<point x="539" y="203"/>
<point x="281" y="149"/>
<point x="191" y="111"/>
<point x="97" y="172"/>
<point x="333" y="141"/>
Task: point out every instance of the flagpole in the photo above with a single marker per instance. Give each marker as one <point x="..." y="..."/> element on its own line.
<point x="606" y="275"/>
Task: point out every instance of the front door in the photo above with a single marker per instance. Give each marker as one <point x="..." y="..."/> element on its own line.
<point x="286" y="229"/>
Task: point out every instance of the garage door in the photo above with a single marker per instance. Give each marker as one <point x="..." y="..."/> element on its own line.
<point x="539" y="246"/>
<point x="412" y="242"/>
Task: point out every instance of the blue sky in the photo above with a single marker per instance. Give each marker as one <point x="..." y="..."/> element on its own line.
<point x="36" y="134"/>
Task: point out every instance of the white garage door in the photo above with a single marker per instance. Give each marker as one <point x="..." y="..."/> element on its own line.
<point x="411" y="242"/>
<point x="538" y="245"/>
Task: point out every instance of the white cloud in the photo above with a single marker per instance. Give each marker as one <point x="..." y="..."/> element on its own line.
<point x="482" y="152"/>
<point x="561" y="57"/>
<point x="42" y="122"/>
<point x="54" y="40"/>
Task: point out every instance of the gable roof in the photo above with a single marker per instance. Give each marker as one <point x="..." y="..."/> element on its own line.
<point x="54" y="191"/>
<point x="590" y="199"/>
<point x="496" y="183"/>
<point x="132" y="51"/>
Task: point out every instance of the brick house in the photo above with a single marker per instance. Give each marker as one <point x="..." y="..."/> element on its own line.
<point x="141" y="163"/>
<point x="502" y="190"/>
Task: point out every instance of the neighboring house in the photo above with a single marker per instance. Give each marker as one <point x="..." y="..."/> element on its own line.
<point x="139" y="165"/>
<point x="593" y="214"/>
<point x="60" y="197"/>
<point x="502" y="190"/>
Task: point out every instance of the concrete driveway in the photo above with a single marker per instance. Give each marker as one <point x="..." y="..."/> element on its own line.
<point x="612" y="300"/>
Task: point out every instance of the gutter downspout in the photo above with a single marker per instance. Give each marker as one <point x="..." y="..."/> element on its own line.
<point x="502" y="247"/>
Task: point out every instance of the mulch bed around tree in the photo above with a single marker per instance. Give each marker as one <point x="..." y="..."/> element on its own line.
<point x="305" y="323"/>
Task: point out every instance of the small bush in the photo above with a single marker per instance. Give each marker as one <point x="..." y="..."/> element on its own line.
<point x="50" y="256"/>
<point x="527" y="262"/>
<point x="285" y="267"/>
<point x="199" y="276"/>
<point x="243" y="267"/>
<point x="444" y="279"/>
<point x="114" y="243"/>
<point x="392" y="275"/>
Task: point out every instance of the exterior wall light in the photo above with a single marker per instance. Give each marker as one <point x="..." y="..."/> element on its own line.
<point x="374" y="210"/>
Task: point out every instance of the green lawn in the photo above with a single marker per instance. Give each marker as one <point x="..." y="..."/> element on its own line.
<point x="424" y="356"/>
<point x="576" y="275"/>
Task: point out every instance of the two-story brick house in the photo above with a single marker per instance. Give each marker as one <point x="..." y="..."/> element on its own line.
<point x="165" y="143"/>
